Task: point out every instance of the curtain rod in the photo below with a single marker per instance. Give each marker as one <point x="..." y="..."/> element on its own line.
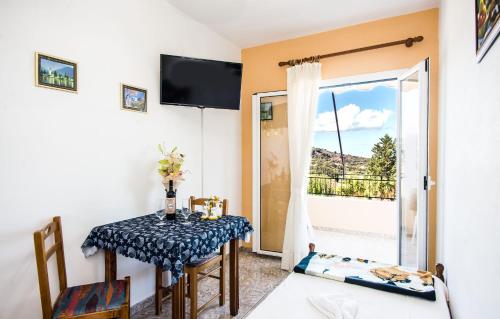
<point x="407" y="42"/>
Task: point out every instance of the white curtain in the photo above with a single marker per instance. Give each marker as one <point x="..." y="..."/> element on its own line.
<point x="302" y="88"/>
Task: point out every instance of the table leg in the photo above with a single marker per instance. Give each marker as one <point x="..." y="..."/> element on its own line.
<point x="178" y="304"/>
<point x="109" y="265"/>
<point x="159" y="290"/>
<point x="183" y="297"/>
<point x="234" y="277"/>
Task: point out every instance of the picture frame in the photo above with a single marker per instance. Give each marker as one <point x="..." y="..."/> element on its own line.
<point x="56" y="73"/>
<point x="266" y="111"/>
<point x="134" y="98"/>
<point x="487" y="23"/>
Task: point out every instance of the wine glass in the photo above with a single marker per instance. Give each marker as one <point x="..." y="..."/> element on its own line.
<point x="160" y="211"/>
<point x="186" y="211"/>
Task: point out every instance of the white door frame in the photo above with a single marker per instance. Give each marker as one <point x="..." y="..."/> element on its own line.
<point x="423" y="172"/>
<point x="256" y="170"/>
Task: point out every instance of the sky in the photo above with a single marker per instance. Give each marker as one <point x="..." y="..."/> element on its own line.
<point x="366" y="112"/>
<point x="52" y="65"/>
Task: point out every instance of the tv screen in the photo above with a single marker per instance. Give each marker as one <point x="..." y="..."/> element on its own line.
<point x="201" y="83"/>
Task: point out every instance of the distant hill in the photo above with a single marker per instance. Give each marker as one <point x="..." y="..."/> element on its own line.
<point x="325" y="162"/>
<point x="65" y="71"/>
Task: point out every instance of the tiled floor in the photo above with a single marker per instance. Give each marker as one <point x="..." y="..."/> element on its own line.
<point x="259" y="275"/>
<point x="377" y="248"/>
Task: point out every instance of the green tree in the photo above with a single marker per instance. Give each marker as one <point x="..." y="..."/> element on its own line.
<point x="383" y="161"/>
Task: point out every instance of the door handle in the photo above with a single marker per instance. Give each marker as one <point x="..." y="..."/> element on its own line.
<point x="428" y="183"/>
<point x="431" y="183"/>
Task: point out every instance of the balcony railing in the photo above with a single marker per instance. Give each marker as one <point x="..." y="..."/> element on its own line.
<point x="367" y="186"/>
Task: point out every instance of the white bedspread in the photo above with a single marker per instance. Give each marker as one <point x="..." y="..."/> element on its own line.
<point x="289" y="300"/>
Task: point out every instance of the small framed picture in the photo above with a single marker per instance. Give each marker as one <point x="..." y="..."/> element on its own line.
<point x="487" y="25"/>
<point x="134" y="98"/>
<point x="266" y="111"/>
<point x="55" y="73"/>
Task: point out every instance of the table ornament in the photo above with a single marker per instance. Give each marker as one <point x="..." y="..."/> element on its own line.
<point x="206" y="211"/>
<point x="212" y="210"/>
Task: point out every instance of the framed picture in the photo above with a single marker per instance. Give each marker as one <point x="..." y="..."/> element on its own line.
<point x="266" y="111"/>
<point x="55" y="73"/>
<point x="487" y="25"/>
<point x="134" y="98"/>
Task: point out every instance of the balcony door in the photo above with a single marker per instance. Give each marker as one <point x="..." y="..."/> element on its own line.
<point x="413" y="179"/>
<point x="271" y="177"/>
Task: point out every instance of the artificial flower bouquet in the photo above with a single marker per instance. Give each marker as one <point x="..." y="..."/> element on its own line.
<point x="171" y="166"/>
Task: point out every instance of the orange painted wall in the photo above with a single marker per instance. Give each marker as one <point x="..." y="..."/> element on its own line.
<point x="261" y="73"/>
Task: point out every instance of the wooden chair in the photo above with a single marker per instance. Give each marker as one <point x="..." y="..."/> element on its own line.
<point x="201" y="269"/>
<point x="98" y="300"/>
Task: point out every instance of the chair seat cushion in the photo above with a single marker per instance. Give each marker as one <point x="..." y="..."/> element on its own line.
<point x="203" y="260"/>
<point x="91" y="298"/>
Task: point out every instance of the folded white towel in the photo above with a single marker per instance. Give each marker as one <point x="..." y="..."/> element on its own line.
<point x="335" y="306"/>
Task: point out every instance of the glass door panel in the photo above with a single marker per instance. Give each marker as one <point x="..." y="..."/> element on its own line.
<point x="274" y="172"/>
<point x="413" y="166"/>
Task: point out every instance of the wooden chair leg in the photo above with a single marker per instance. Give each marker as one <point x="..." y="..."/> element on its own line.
<point x="222" y="278"/>
<point x="193" y="295"/>
<point x="128" y="296"/>
<point x="125" y="312"/>
<point x="125" y="309"/>
<point x="158" y="291"/>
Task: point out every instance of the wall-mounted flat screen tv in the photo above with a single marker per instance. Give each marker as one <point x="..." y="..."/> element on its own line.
<point x="200" y="83"/>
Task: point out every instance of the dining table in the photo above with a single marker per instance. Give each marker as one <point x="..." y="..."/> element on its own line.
<point x="171" y="244"/>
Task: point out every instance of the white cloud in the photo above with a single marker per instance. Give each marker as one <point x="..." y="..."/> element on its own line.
<point x="351" y="117"/>
<point x="363" y="86"/>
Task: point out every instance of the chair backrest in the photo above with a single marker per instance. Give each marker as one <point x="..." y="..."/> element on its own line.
<point x="201" y="202"/>
<point x="43" y="255"/>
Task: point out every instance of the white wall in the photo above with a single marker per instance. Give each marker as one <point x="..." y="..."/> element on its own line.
<point x="79" y="155"/>
<point x="469" y="201"/>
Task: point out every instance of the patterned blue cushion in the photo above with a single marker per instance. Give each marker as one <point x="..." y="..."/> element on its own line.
<point x="369" y="273"/>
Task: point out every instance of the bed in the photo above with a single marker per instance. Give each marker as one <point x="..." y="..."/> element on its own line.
<point x="289" y="300"/>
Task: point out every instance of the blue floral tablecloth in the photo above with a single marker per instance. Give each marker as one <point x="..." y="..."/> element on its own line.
<point x="169" y="246"/>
